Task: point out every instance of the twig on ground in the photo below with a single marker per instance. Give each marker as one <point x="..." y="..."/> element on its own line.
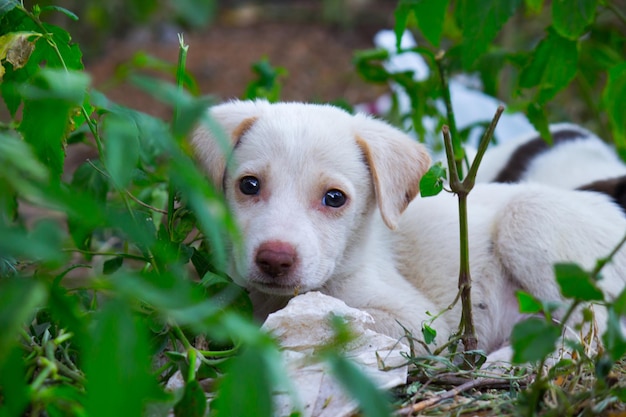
<point x="473" y="384"/>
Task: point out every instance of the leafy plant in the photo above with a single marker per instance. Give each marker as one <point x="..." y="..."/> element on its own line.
<point x="118" y="269"/>
<point x="267" y="85"/>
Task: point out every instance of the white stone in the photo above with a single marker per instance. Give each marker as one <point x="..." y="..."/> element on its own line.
<point x="303" y="327"/>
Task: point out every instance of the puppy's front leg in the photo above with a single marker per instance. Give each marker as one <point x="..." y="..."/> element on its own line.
<point x="394" y="304"/>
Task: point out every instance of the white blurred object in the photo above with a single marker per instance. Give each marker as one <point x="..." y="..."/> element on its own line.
<point x="470" y="105"/>
<point x="303" y="327"/>
<point x="407" y="61"/>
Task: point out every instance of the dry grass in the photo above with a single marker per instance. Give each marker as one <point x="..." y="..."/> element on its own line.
<point x="571" y="390"/>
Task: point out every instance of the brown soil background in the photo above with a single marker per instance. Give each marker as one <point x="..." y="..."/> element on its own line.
<point x="317" y="54"/>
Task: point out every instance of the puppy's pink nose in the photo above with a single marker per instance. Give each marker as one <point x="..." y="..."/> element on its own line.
<point x="275" y="258"/>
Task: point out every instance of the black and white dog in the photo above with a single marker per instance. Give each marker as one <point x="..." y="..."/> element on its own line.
<point x="577" y="159"/>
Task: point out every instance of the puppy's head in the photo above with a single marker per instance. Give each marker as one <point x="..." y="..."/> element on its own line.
<point x="304" y="181"/>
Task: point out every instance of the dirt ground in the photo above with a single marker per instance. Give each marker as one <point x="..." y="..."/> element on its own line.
<point x="317" y="55"/>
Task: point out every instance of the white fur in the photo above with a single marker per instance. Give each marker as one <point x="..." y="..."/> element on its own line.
<point x="396" y="266"/>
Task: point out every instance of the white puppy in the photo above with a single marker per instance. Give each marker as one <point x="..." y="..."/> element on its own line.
<point x="322" y="198"/>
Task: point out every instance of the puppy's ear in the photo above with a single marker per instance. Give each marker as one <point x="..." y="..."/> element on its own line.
<point x="396" y="162"/>
<point x="213" y="142"/>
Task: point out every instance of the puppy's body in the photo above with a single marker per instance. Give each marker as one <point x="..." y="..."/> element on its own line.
<point x="320" y="196"/>
<point x="577" y="159"/>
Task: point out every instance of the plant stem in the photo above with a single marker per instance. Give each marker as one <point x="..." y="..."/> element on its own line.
<point x="458" y="149"/>
<point x="115" y="254"/>
<point x="602" y="262"/>
<point x="180" y="73"/>
<point x="462" y="190"/>
<point x="482" y="148"/>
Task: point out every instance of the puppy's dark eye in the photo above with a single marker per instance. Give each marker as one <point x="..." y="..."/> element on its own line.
<point x="250" y="185"/>
<point x="334" y="198"/>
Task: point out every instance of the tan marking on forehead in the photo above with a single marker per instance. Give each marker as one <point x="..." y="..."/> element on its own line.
<point x="236" y="136"/>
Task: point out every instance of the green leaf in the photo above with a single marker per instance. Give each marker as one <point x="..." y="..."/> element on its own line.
<point x="57" y="52"/>
<point x="481" y="21"/>
<point x="247" y="373"/>
<point x="620" y="393"/>
<point x="267" y="84"/>
<point x="193" y="403"/>
<point x="429" y="14"/>
<point x="84" y="215"/>
<point x="534" y="6"/>
<point x="619" y="303"/>
<point x="64" y="54"/>
<point x="16" y="48"/>
<point x="112" y="265"/>
<point x="432" y="182"/>
<point x="528" y="304"/>
<point x="117" y="358"/>
<point x="42" y="244"/>
<point x="369" y="66"/>
<point x="429" y="334"/>
<point x="121" y="152"/>
<point x="571" y="18"/>
<point x="537" y="117"/>
<point x="57" y="84"/>
<point x="66" y="400"/>
<point x="7" y="5"/>
<point x="576" y="283"/>
<point x="533" y="339"/>
<point x="18" y="300"/>
<point x="15" y="391"/>
<point x="62" y="10"/>
<point x="177" y="298"/>
<point x="613" y="338"/>
<point x="372" y="401"/>
<point x="48" y="142"/>
<point x="613" y="100"/>
<point x="553" y="66"/>
<point x="190" y="109"/>
<point x="65" y="307"/>
<point x="46" y="242"/>
<point x="212" y="216"/>
<point x="89" y="178"/>
<point x="20" y="167"/>
<point x="49" y="101"/>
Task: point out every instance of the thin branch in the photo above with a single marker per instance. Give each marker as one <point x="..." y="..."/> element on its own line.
<point x="115" y="254"/>
<point x="482" y="147"/>
<point x="490" y="381"/>
<point x="128" y="193"/>
<point x="473" y="384"/>
<point x="146" y="205"/>
<point x="455" y="184"/>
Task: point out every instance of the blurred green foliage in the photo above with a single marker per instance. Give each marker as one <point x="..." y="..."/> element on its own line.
<point x="98" y="21"/>
<point x="538" y="57"/>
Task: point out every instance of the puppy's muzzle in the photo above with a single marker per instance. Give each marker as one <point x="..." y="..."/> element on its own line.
<point x="275" y="259"/>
